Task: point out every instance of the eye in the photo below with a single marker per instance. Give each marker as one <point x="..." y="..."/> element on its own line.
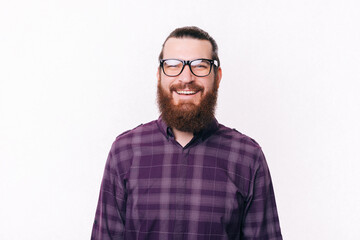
<point x="172" y="63"/>
<point x="200" y="64"/>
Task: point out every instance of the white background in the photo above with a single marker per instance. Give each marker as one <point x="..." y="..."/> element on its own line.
<point x="75" y="74"/>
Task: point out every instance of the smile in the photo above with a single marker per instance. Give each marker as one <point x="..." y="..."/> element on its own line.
<point x="186" y="92"/>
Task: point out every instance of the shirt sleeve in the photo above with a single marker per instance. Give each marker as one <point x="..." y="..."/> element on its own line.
<point x="260" y="220"/>
<point x="111" y="209"/>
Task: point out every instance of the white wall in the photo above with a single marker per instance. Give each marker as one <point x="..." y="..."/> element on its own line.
<point x="70" y="82"/>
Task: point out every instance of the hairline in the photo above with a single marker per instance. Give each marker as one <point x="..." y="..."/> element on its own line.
<point x="186" y="37"/>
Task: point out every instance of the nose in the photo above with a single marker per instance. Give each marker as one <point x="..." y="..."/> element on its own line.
<point x="186" y="76"/>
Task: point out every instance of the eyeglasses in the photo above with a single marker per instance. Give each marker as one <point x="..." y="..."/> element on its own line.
<point x="199" y="67"/>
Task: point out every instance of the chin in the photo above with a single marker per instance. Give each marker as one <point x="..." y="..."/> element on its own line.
<point x="185" y="101"/>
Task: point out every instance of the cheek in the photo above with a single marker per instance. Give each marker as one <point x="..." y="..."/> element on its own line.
<point x="210" y="86"/>
<point x="163" y="84"/>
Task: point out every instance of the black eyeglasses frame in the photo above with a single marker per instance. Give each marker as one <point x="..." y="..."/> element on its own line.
<point x="188" y="62"/>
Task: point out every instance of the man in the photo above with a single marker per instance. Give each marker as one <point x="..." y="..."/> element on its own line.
<point x="184" y="175"/>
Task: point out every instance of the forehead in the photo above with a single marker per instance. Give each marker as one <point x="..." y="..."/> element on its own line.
<point x="187" y="48"/>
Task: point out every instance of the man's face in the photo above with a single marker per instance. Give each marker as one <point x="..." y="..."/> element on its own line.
<point x="187" y="88"/>
<point x="187" y="102"/>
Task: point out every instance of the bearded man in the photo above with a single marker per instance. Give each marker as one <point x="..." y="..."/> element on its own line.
<point x="184" y="175"/>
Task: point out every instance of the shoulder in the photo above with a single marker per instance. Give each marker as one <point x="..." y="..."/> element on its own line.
<point x="127" y="139"/>
<point x="122" y="149"/>
<point x="136" y="133"/>
<point x="139" y="130"/>
<point x="241" y="148"/>
<point x="234" y="136"/>
<point x="243" y="151"/>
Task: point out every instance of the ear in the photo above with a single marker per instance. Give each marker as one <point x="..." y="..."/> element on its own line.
<point x="218" y="77"/>
<point x="158" y="74"/>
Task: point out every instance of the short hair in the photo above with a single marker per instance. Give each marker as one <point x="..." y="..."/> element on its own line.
<point x="196" y="33"/>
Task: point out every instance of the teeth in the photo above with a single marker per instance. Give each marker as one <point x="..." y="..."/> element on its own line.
<point x="186" y="92"/>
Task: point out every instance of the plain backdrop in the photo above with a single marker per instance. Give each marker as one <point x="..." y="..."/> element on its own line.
<point x="74" y="74"/>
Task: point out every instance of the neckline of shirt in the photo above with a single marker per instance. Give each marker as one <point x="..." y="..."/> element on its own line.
<point x="203" y="134"/>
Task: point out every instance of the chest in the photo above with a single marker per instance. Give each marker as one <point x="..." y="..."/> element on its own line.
<point x="185" y="184"/>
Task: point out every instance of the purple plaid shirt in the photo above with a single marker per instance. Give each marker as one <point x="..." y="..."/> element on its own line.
<point x="216" y="187"/>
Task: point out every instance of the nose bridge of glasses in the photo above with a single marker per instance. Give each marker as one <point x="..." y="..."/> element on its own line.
<point x="188" y="70"/>
<point x="190" y="63"/>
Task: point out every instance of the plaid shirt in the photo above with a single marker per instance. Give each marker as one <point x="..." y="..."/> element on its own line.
<point x="216" y="187"/>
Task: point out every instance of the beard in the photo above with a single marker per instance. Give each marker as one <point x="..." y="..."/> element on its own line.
<point x="187" y="116"/>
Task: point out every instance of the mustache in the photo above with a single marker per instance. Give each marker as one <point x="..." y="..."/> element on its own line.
<point x="182" y="86"/>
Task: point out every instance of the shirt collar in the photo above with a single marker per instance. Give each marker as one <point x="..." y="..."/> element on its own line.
<point x="203" y="134"/>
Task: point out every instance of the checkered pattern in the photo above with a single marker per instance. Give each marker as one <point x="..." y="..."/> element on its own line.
<point x="216" y="187"/>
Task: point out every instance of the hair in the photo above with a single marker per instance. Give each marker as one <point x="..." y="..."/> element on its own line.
<point x="195" y="33"/>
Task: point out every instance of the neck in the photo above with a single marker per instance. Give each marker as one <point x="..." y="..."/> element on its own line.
<point x="181" y="137"/>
